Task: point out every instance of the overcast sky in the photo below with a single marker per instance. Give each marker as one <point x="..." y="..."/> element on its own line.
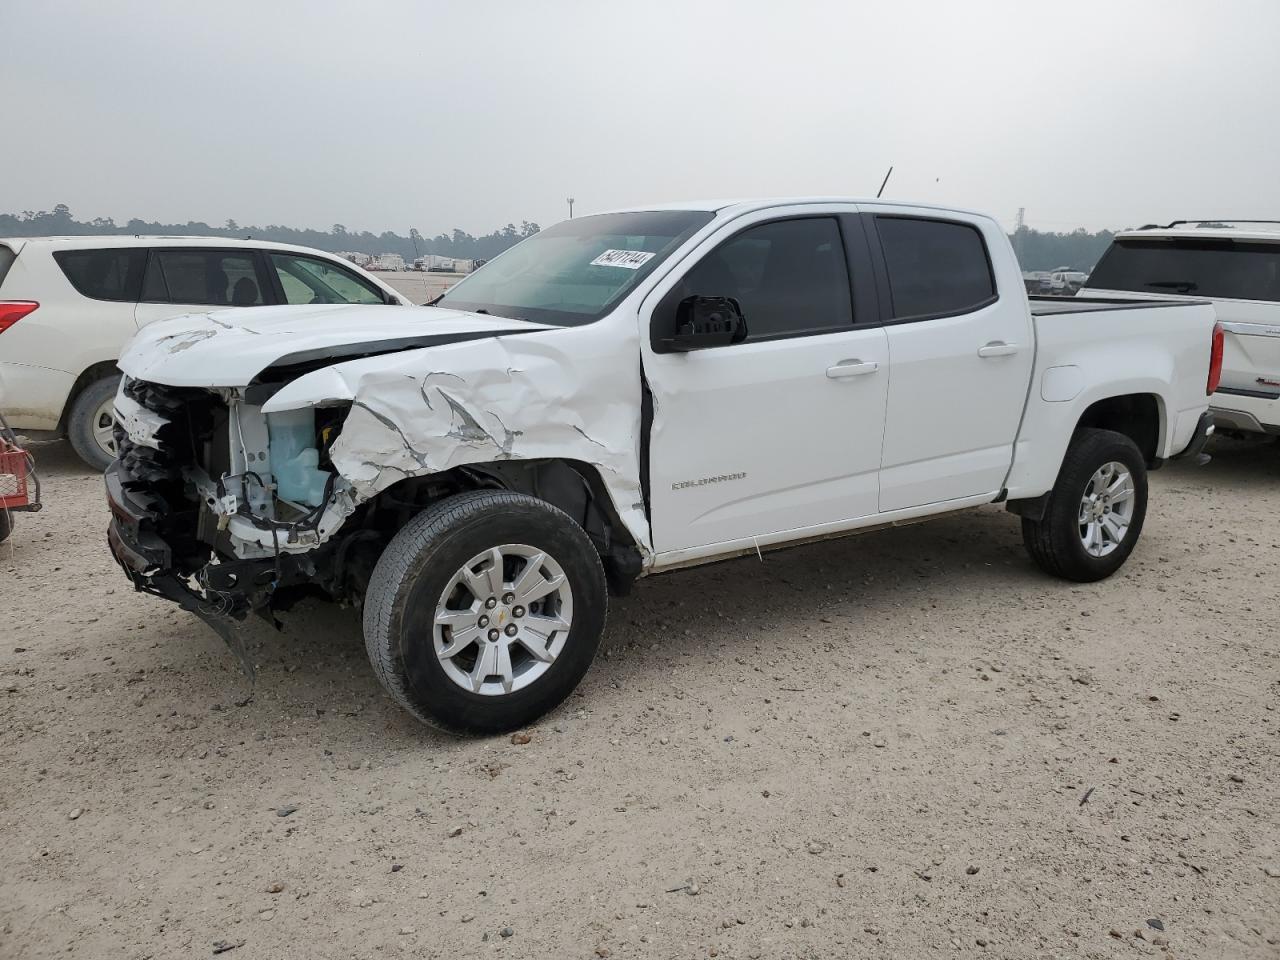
<point x="472" y="114"/>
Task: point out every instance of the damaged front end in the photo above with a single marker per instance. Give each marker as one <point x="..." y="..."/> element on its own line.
<point x="219" y="507"/>
<point x="232" y="500"/>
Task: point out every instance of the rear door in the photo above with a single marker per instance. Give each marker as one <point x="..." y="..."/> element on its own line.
<point x="960" y="348"/>
<point x="782" y="431"/>
<point x="182" y="280"/>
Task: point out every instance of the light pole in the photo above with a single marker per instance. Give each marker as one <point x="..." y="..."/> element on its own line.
<point x="569" y="200"/>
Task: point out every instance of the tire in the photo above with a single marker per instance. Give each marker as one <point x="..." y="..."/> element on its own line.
<point x="1057" y="542"/>
<point x="84" y="422"/>
<point x="6" y="524"/>
<point x="423" y="576"/>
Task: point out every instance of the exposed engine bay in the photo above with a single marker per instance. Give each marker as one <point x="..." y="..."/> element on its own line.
<point x="227" y="509"/>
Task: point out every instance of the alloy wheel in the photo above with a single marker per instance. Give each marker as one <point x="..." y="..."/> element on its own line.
<point x="503" y="619"/>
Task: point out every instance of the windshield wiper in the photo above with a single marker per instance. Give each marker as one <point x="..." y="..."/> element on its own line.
<point x="1182" y="286"/>
<point x="504" y="316"/>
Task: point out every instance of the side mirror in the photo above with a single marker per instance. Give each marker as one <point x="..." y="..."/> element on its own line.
<point x="703" y="322"/>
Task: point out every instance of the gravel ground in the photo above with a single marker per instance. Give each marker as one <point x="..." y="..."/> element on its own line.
<point x="892" y="746"/>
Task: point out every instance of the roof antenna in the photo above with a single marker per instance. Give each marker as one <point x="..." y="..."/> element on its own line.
<point x="885" y="181"/>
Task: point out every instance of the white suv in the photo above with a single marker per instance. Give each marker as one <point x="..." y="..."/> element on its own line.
<point x="1236" y="265"/>
<point x="69" y="304"/>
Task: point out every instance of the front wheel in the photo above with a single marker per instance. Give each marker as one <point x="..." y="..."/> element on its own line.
<point x="91" y="423"/>
<point x="485" y="611"/>
<point x="1095" y="510"/>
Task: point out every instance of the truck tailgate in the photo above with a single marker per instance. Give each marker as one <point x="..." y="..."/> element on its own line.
<point x="1250" y="355"/>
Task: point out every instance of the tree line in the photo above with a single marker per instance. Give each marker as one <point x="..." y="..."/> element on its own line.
<point x="59" y="222"/>
<point x="1078" y="249"/>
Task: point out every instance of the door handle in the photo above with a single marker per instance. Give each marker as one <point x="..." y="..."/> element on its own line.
<point x="998" y="348"/>
<point x="852" y="368"/>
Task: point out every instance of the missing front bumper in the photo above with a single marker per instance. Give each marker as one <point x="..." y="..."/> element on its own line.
<point x="147" y="561"/>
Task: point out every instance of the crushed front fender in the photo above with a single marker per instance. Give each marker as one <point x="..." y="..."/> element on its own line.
<point x="565" y="393"/>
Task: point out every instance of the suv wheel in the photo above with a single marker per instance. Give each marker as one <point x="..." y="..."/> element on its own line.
<point x="90" y="423"/>
<point x="485" y="611"/>
<point x="1095" y="511"/>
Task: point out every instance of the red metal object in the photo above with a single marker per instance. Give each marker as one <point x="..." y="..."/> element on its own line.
<point x="19" y="485"/>
<point x="15" y="469"/>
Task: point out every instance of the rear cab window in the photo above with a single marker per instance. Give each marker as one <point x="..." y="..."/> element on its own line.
<point x="103" y="274"/>
<point x="1195" y="266"/>
<point x="936" y="268"/>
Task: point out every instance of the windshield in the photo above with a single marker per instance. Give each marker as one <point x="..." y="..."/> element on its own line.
<point x="1203" y="267"/>
<point x="576" y="271"/>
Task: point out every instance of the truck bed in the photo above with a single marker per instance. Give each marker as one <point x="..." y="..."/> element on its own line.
<point x="1050" y="306"/>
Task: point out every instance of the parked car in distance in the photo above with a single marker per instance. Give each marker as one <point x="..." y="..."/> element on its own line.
<point x="1036" y="282"/>
<point x="1064" y="282"/>
<point x="1237" y="268"/>
<point x="68" y="305"/>
<point x="626" y="394"/>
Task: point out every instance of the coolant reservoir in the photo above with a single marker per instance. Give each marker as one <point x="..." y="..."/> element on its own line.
<point x="294" y="458"/>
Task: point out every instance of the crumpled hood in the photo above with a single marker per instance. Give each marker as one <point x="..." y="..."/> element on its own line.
<point x="229" y="348"/>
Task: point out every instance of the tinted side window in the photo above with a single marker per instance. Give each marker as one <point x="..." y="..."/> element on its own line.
<point x="214" y="277"/>
<point x="1204" y="267"/>
<point x="309" y="280"/>
<point x="936" y="267"/>
<point x="103" y="274"/>
<point x="790" y="277"/>
<point x="153" y="287"/>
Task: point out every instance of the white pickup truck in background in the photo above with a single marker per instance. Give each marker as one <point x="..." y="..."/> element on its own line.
<point x="1235" y="264"/>
<point x="626" y="394"/>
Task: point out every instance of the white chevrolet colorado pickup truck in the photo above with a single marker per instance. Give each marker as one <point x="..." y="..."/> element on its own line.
<point x="622" y="395"/>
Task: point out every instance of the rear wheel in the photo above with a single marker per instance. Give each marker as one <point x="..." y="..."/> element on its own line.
<point x="485" y="611"/>
<point x="6" y="524"/>
<point x="1095" y="511"/>
<point x="90" y="424"/>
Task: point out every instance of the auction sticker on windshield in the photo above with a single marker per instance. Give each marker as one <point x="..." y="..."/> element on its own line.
<point x="627" y="259"/>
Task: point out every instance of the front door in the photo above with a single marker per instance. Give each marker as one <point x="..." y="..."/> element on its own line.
<point x="779" y="432"/>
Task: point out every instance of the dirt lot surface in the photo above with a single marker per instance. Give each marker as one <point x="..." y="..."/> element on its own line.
<point x="904" y="744"/>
